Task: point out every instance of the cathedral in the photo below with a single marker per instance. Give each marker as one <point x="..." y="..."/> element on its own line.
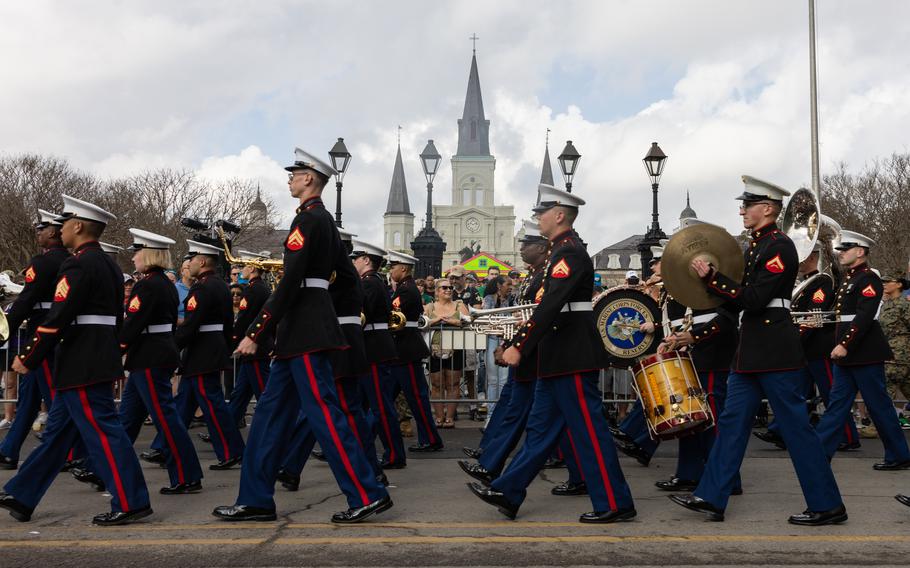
<point x="473" y="223"/>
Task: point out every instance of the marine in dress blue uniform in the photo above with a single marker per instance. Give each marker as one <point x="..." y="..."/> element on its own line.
<point x="253" y="372"/>
<point x="306" y="330"/>
<point x="33" y="304"/>
<point x="147" y="339"/>
<point x="204" y="337"/>
<point x="570" y="354"/>
<point x="82" y="326"/>
<point x="859" y="356"/>
<point x="768" y="363"/>
<point x="407" y="369"/>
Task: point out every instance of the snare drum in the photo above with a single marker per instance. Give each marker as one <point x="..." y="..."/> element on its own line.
<point x="671" y="395"/>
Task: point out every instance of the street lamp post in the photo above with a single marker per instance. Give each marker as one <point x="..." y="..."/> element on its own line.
<point x="428" y="246"/>
<point x="430" y="159"/>
<point x="568" y="163"/>
<point x="340" y="160"/>
<point x="654" y="162"/>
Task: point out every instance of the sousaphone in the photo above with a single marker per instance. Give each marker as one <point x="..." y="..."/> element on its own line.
<point x="710" y="243"/>
<point x="801" y="220"/>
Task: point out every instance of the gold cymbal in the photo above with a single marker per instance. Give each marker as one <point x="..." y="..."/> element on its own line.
<point x="712" y="244"/>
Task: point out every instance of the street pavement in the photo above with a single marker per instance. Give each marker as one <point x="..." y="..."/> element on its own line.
<point x="436" y="521"/>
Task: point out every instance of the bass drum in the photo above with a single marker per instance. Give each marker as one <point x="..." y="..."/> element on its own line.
<point x="618" y="313"/>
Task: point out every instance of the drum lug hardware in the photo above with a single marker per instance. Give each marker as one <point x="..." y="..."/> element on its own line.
<point x="659" y="410"/>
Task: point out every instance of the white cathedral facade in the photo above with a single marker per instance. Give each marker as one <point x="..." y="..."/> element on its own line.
<point x="473" y="221"/>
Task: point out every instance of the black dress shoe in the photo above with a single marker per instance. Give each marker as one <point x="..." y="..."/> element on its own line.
<point x="395" y="465"/>
<point x="153" y="456"/>
<point x="771" y="438"/>
<point x="847" y="446"/>
<point x="70" y="464"/>
<point x="891" y="466"/>
<point x="477" y="471"/>
<point x="319" y="455"/>
<point x="424" y="448"/>
<point x="495" y="498"/>
<point x="473" y="453"/>
<point x="699" y="505"/>
<point x="226" y="464"/>
<point x="362" y="513"/>
<point x="86" y="476"/>
<point x="818" y="518"/>
<point x="182" y="488"/>
<point x="633" y="450"/>
<point x="204" y="436"/>
<point x="903" y="499"/>
<point x="288" y="480"/>
<point x="604" y="517"/>
<point x="382" y="480"/>
<point x="676" y="484"/>
<point x="17" y="510"/>
<point x="553" y="463"/>
<point x="7" y="462"/>
<point x="567" y="489"/>
<point x="620" y="435"/>
<point x="244" y="513"/>
<point x="121" y="517"/>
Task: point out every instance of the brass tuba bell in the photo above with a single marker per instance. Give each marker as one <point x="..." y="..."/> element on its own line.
<point x="397" y="321"/>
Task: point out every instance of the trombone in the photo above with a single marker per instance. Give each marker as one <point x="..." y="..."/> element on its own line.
<point x="502" y="322"/>
<point x="268" y="266"/>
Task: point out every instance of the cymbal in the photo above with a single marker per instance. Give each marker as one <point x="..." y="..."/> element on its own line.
<point x="713" y="245"/>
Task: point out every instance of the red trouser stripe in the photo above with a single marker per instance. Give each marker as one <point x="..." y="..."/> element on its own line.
<point x="711" y="400"/>
<point x="314" y="386"/>
<point x="48" y="378"/>
<point x="165" y="429"/>
<point x="382" y="413"/>
<point x="595" y="444"/>
<point x="342" y="398"/>
<point x="575" y="453"/>
<point x="258" y="376"/>
<point x="214" y="419"/>
<point x="423" y="413"/>
<point x="830" y="374"/>
<point x="106" y="445"/>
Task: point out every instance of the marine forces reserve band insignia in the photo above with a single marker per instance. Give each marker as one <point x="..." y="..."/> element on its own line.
<point x="618" y="315"/>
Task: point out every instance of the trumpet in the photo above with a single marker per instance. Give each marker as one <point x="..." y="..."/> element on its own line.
<point x="814" y="319"/>
<point x="501" y="322"/>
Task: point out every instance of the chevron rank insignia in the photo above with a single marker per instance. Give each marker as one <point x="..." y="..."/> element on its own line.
<point x="775" y="265"/>
<point x="561" y="270"/>
<point x="30" y="274"/>
<point x="191" y="304"/>
<point x="819" y="296"/>
<point x="396" y="303"/>
<point x="539" y="295"/>
<point x="295" y="240"/>
<point x="62" y="291"/>
<point x="868" y="291"/>
<point x="242" y="305"/>
<point x="134" y="306"/>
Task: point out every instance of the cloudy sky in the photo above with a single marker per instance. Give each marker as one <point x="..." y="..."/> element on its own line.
<point x="230" y="88"/>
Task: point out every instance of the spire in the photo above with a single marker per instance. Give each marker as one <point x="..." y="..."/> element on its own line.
<point x="398" y="192"/>
<point x="258" y="204"/>
<point x="473" y="127"/>
<point x="688" y="212"/>
<point x="546" y="172"/>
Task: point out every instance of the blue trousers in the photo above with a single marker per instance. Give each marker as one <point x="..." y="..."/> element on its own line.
<point x="34" y="387"/>
<point x="351" y="399"/>
<point x="499" y="412"/>
<point x="305" y="385"/>
<point x="148" y="393"/>
<point x="785" y="395"/>
<point x="379" y="386"/>
<point x="410" y="380"/>
<point x="252" y="377"/>
<point x="635" y="426"/>
<point x="821" y="372"/>
<point x="571" y="457"/>
<point x="503" y="438"/>
<point x="88" y="412"/>
<point x="206" y="389"/>
<point x="571" y="402"/>
<point x="869" y="380"/>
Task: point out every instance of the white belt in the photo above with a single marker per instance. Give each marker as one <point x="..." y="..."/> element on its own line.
<point x="702" y="318"/>
<point x="96" y="320"/>
<point x="851" y="317"/>
<point x="211" y="327"/>
<point x="43" y="305"/>
<point x="577" y="307"/>
<point x="349" y="320"/>
<point x="779" y="303"/>
<point x="4" y="346"/>
<point x="411" y="324"/>
<point x="315" y="283"/>
<point x="159" y="328"/>
<point x="375" y="326"/>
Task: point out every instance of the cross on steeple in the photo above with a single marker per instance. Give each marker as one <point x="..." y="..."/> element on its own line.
<point x="399" y="135"/>
<point x="548" y="138"/>
<point x="474" y="39"/>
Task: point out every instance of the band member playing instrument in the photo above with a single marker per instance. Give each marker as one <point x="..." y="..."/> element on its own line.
<point x="569" y="353"/>
<point x="859" y="356"/>
<point x="768" y="363"/>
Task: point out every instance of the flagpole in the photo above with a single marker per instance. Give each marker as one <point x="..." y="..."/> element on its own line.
<point x="813" y="100"/>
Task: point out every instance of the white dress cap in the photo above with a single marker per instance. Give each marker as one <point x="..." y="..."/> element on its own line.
<point x="77" y="209"/>
<point x="396" y="257"/>
<point x="306" y="160"/>
<point x="147" y="239"/>
<point x="46" y="219"/>
<point x="551" y="196"/>
<point x="850" y="239"/>
<point x="201" y="248"/>
<point x="345" y="235"/>
<point x="758" y="190"/>
<point x="362" y="247"/>
<point x="109" y="248"/>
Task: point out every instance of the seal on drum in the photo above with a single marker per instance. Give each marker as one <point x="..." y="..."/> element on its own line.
<point x="618" y="313"/>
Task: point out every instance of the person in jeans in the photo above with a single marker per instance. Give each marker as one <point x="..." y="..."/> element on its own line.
<point x="499" y="295"/>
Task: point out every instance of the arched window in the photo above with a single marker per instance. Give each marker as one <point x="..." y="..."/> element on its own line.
<point x="397" y="240"/>
<point x="613" y="262"/>
<point x="635" y="262"/>
<point x="473" y="130"/>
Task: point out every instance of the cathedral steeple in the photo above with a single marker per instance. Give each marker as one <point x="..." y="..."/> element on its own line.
<point x="398" y="191"/>
<point x="688" y="212"/>
<point x="473" y="127"/>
